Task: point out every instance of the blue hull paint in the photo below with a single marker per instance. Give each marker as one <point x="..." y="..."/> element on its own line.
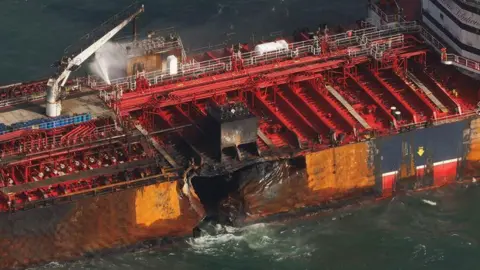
<point x="403" y="153"/>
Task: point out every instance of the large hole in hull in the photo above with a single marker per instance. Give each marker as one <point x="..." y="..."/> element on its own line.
<point x="223" y="197"/>
<point x="212" y="191"/>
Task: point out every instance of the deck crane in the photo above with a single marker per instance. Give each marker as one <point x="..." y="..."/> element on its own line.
<point x="57" y="83"/>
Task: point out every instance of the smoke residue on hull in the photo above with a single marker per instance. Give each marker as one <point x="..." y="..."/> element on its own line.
<point x="213" y="191"/>
<point x="230" y="200"/>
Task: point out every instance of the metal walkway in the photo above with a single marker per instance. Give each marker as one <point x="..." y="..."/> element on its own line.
<point x="461" y="62"/>
<point x="342" y="41"/>
<point x="446" y="58"/>
<point x="427" y="92"/>
<point x="347" y="105"/>
<point x="265" y="139"/>
<point x="157" y="146"/>
<point x="450" y="58"/>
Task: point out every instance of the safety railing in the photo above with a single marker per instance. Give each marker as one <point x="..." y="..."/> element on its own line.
<point x="384" y="17"/>
<point x="448" y="59"/>
<point x="474" y="3"/>
<point x="378" y="49"/>
<point x="196" y="69"/>
<point x="22" y="99"/>
<point x="55" y="142"/>
<point x="460" y="61"/>
<point x="359" y="51"/>
<point x="444" y="120"/>
<point x="408" y="26"/>
<point x="298" y="49"/>
<point x="432" y="40"/>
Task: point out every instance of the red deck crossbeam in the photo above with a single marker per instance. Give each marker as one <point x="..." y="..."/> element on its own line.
<point x="312" y="109"/>
<point x="229" y="76"/>
<point x="189" y="118"/>
<point x="442" y="91"/>
<point x="375" y="99"/>
<point x="422" y="97"/>
<point x="305" y="126"/>
<point x="203" y="90"/>
<point x="432" y="110"/>
<point x="341" y="111"/>
<point x="132" y="101"/>
<point x="280" y="117"/>
<point x="412" y="54"/>
<point x="398" y="98"/>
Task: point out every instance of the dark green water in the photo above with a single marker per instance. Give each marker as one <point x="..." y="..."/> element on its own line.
<point x="404" y="232"/>
<point x="401" y="233"/>
<point x="34" y="33"/>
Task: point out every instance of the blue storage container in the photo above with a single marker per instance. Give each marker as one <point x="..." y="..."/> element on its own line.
<point x="46" y="123"/>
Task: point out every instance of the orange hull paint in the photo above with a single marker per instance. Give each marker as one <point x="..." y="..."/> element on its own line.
<point x="119" y="219"/>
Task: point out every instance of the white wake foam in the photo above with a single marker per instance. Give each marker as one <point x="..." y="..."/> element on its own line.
<point x="265" y="239"/>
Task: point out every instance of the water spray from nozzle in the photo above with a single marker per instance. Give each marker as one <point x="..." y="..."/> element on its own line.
<point x="110" y="62"/>
<point x="102" y="68"/>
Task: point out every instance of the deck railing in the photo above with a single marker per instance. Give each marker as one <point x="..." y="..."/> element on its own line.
<point x="57" y="141"/>
<point x="446" y="58"/>
<point x="298" y="49"/>
<point x="462" y="62"/>
<point x="444" y="120"/>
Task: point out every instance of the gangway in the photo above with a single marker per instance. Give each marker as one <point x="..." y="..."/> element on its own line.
<point x="461" y="62"/>
<point x="157" y="146"/>
<point x="450" y="58"/>
<point x="446" y="58"/>
<point x="427" y="92"/>
<point x="347" y="105"/>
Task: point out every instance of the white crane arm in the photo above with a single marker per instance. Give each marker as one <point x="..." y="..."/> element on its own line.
<point x="54" y="106"/>
<point x="85" y="54"/>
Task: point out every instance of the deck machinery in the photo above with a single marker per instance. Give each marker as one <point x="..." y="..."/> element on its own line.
<point x="219" y="111"/>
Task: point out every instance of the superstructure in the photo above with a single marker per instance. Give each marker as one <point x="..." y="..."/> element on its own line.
<point x="378" y="109"/>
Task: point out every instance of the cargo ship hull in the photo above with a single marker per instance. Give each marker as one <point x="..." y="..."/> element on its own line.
<point x="70" y="230"/>
<point x="419" y="159"/>
<point x="233" y="135"/>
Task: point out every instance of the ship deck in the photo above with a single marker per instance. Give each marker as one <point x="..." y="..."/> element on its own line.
<point x="78" y="102"/>
<point x="352" y="87"/>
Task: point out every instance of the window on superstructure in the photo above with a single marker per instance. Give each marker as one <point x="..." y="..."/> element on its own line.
<point x="441" y="16"/>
